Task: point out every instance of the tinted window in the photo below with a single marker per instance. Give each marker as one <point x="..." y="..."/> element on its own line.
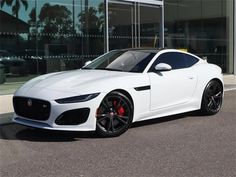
<point x="143" y="59"/>
<point x="174" y="59"/>
<point x="190" y="60"/>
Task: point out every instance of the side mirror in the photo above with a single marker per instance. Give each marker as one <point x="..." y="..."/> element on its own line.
<point x="163" y="67"/>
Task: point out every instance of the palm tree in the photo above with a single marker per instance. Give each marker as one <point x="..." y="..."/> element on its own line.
<point x="16" y="6"/>
<point x="15" y="10"/>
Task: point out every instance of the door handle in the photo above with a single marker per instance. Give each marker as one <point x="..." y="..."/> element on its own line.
<point x="191" y="77"/>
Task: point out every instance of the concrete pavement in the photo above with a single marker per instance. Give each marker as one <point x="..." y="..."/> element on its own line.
<point x="186" y="145"/>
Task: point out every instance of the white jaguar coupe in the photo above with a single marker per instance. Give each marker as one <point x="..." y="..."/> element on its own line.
<point x="118" y="88"/>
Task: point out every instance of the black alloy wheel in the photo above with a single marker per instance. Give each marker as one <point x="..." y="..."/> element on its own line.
<point x="212" y="98"/>
<point x="114" y="115"/>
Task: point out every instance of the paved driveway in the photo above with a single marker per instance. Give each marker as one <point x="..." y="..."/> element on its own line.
<point x="185" y="145"/>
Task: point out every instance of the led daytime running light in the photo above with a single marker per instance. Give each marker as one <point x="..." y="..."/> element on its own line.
<point x="76" y="99"/>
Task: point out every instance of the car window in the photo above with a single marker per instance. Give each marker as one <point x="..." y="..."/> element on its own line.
<point x="127" y="61"/>
<point x="174" y="59"/>
<point x="190" y="60"/>
<point x="141" y="60"/>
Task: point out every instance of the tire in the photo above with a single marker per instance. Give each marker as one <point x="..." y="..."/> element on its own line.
<point x="114" y="115"/>
<point x="212" y="98"/>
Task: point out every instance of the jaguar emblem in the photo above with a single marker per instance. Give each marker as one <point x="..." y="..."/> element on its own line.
<point x="29" y="102"/>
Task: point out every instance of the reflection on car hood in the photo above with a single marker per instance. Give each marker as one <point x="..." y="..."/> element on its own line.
<point x="74" y="82"/>
<point x="74" y="79"/>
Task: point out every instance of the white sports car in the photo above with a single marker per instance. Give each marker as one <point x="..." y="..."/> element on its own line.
<point x="118" y="88"/>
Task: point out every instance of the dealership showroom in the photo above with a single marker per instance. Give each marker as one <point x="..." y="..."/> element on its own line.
<point x="39" y="37"/>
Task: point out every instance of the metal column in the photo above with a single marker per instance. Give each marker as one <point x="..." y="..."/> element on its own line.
<point x="234" y="37"/>
<point x="106" y="27"/>
<point x="162" y="28"/>
<point x="154" y="2"/>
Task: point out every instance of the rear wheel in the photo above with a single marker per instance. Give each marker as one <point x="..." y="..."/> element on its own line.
<point x="212" y="98"/>
<point x="114" y="115"/>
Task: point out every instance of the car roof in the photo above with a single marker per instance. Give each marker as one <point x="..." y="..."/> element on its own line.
<point x="153" y="50"/>
<point x="157" y="50"/>
<point x="163" y="50"/>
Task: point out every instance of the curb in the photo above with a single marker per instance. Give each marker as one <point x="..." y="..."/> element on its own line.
<point x="6" y="118"/>
<point x="229" y="89"/>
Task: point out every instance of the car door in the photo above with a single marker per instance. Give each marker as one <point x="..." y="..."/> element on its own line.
<point x="174" y="87"/>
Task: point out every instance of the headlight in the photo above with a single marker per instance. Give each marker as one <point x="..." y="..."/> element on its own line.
<point x="76" y="99"/>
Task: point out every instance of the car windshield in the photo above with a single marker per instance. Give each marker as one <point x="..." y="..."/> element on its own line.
<point x="123" y="60"/>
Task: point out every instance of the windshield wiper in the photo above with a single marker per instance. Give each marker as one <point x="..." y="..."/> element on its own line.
<point x="109" y="69"/>
<point x="86" y="68"/>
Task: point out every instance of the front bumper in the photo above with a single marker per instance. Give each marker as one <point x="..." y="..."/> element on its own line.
<point x="59" y="109"/>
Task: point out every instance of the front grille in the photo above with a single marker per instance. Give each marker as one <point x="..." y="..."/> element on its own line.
<point x="31" y="108"/>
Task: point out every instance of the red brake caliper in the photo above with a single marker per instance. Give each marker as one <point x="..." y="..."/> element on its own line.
<point x="120" y="110"/>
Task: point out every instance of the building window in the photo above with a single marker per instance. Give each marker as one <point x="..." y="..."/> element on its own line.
<point x="201" y="27"/>
<point x="38" y="37"/>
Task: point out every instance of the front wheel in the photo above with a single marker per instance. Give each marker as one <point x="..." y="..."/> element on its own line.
<point x="212" y="98"/>
<point x="114" y="115"/>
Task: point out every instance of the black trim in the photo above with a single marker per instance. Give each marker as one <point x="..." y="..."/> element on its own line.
<point x="142" y="88"/>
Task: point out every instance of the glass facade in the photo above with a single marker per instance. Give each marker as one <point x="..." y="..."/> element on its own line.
<point x="38" y="37"/>
<point x="42" y="36"/>
<point x="133" y="25"/>
<point x="201" y="27"/>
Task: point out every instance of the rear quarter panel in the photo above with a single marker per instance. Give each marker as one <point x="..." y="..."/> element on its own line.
<point x="205" y="73"/>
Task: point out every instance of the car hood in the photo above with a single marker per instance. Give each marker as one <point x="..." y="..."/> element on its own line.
<point x="78" y="82"/>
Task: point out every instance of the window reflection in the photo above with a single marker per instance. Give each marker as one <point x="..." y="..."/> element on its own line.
<point x="42" y="36"/>
<point x="200" y="27"/>
<point x="47" y="36"/>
